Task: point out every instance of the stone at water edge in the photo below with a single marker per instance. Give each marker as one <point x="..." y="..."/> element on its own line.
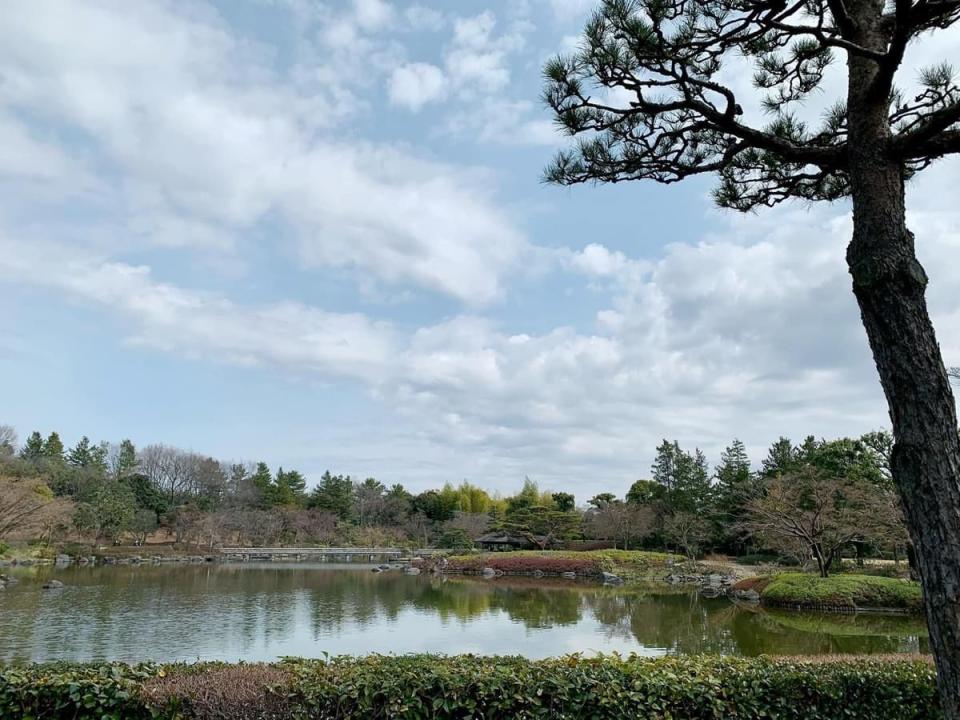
<point x="611" y="579"/>
<point x="569" y="575"/>
<point x="376" y="570"/>
<point x="489" y="572"/>
<point x="411" y="571"/>
<point x="52" y="585"/>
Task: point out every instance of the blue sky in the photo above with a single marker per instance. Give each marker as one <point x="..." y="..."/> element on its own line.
<point x="314" y="233"/>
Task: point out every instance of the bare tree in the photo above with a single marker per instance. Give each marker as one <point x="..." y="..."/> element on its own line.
<point x="646" y="93"/>
<point x="8" y="441"/>
<point x="620" y="522"/>
<point x="22" y="503"/>
<point x="687" y="530"/>
<point x="812" y="516"/>
<point x="473" y="524"/>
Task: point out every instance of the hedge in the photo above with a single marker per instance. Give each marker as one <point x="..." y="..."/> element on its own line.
<point x="850" y="592"/>
<point x="423" y="686"/>
<point x="586" y="563"/>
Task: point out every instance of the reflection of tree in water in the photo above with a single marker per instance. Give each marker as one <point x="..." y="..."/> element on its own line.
<point x="357" y="599"/>
<point x="149" y="611"/>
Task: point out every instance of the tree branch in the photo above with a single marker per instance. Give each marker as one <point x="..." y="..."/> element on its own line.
<point x="910" y="145"/>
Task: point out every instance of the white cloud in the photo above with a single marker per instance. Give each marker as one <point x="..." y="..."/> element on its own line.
<point x="415" y="84"/>
<point x="477" y="58"/>
<point x="751" y="332"/>
<point x="200" y="123"/>
<point x="423" y="18"/>
<point x="373" y="14"/>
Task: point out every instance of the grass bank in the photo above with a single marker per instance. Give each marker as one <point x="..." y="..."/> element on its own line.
<point x="424" y="686"/>
<point x="838" y="592"/>
<point x="627" y="564"/>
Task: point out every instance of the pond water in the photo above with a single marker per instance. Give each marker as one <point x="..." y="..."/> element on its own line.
<point x="265" y="611"/>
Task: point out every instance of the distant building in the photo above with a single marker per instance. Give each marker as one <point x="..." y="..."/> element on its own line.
<point x="503" y="541"/>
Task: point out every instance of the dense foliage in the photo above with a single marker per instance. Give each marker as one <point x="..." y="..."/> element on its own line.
<point x="693" y="688"/>
<point x="843" y="591"/>
<point x="590" y="563"/>
<point x="807" y="503"/>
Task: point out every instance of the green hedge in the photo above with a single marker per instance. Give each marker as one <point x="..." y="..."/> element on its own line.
<point x="843" y="591"/>
<point x="691" y="688"/>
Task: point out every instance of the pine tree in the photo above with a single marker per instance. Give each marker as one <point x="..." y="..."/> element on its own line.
<point x="781" y="458"/>
<point x="79" y="454"/>
<point x="334" y="494"/>
<point x="290" y="488"/>
<point x="262" y="482"/>
<point x="125" y="461"/>
<point x="53" y="448"/>
<point x="32" y="449"/>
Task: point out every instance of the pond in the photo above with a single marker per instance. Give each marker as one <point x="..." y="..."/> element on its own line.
<point x="265" y="611"/>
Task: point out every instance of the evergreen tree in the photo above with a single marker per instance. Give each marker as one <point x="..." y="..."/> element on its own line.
<point x="262" y="482"/>
<point x="79" y="454"/>
<point x="334" y="494"/>
<point x="32" y="449"/>
<point x="645" y="492"/>
<point x="53" y="448"/>
<point x="125" y="461"/>
<point x="564" y="502"/>
<point x="291" y="488"/>
<point x="781" y="458"/>
<point x="685" y="478"/>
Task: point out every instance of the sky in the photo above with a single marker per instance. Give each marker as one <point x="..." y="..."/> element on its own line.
<point x="315" y="234"/>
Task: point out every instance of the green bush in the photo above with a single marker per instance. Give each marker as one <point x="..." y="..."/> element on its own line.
<point x="843" y="591"/>
<point x="423" y="686"/>
<point x="80" y="692"/>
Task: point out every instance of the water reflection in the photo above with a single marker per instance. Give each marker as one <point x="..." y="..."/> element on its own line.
<point x="264" y="611"/>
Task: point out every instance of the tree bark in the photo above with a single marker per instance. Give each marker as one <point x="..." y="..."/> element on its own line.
<point x="889" y="284"/>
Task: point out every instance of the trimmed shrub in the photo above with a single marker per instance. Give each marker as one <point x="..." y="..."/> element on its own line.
<point x="842" y="592"/>
<point x="554" y="562"/>
<point x="423" y="686"/>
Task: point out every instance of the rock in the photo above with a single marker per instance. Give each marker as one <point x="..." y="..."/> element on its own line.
<point x="538" y="573"/>
<point x="136" y="560"/>
<point x="63" y="560"/>
<point x="52" y="585"/>
<point x="376" y="570"/>
<point x="611" y="579"/>
<point x="386" y="567"/>
<point x="569" y="575"/>
<point x="715" y="579"/>
<point x="411" y="571"/>
<point x="489" y="572"/>
<point x="750" y="596"/>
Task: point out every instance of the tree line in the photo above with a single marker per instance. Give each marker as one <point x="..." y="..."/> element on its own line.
<point x="809" y="502"/>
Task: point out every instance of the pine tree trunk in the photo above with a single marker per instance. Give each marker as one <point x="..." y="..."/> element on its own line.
<point x="889" y="284"/>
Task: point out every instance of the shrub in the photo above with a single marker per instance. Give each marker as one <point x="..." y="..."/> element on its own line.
<point x="589" y="563"/>
<point x="422" y="686"/>
<point x="843" y="592"/>
<point x="80" y="692"/>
